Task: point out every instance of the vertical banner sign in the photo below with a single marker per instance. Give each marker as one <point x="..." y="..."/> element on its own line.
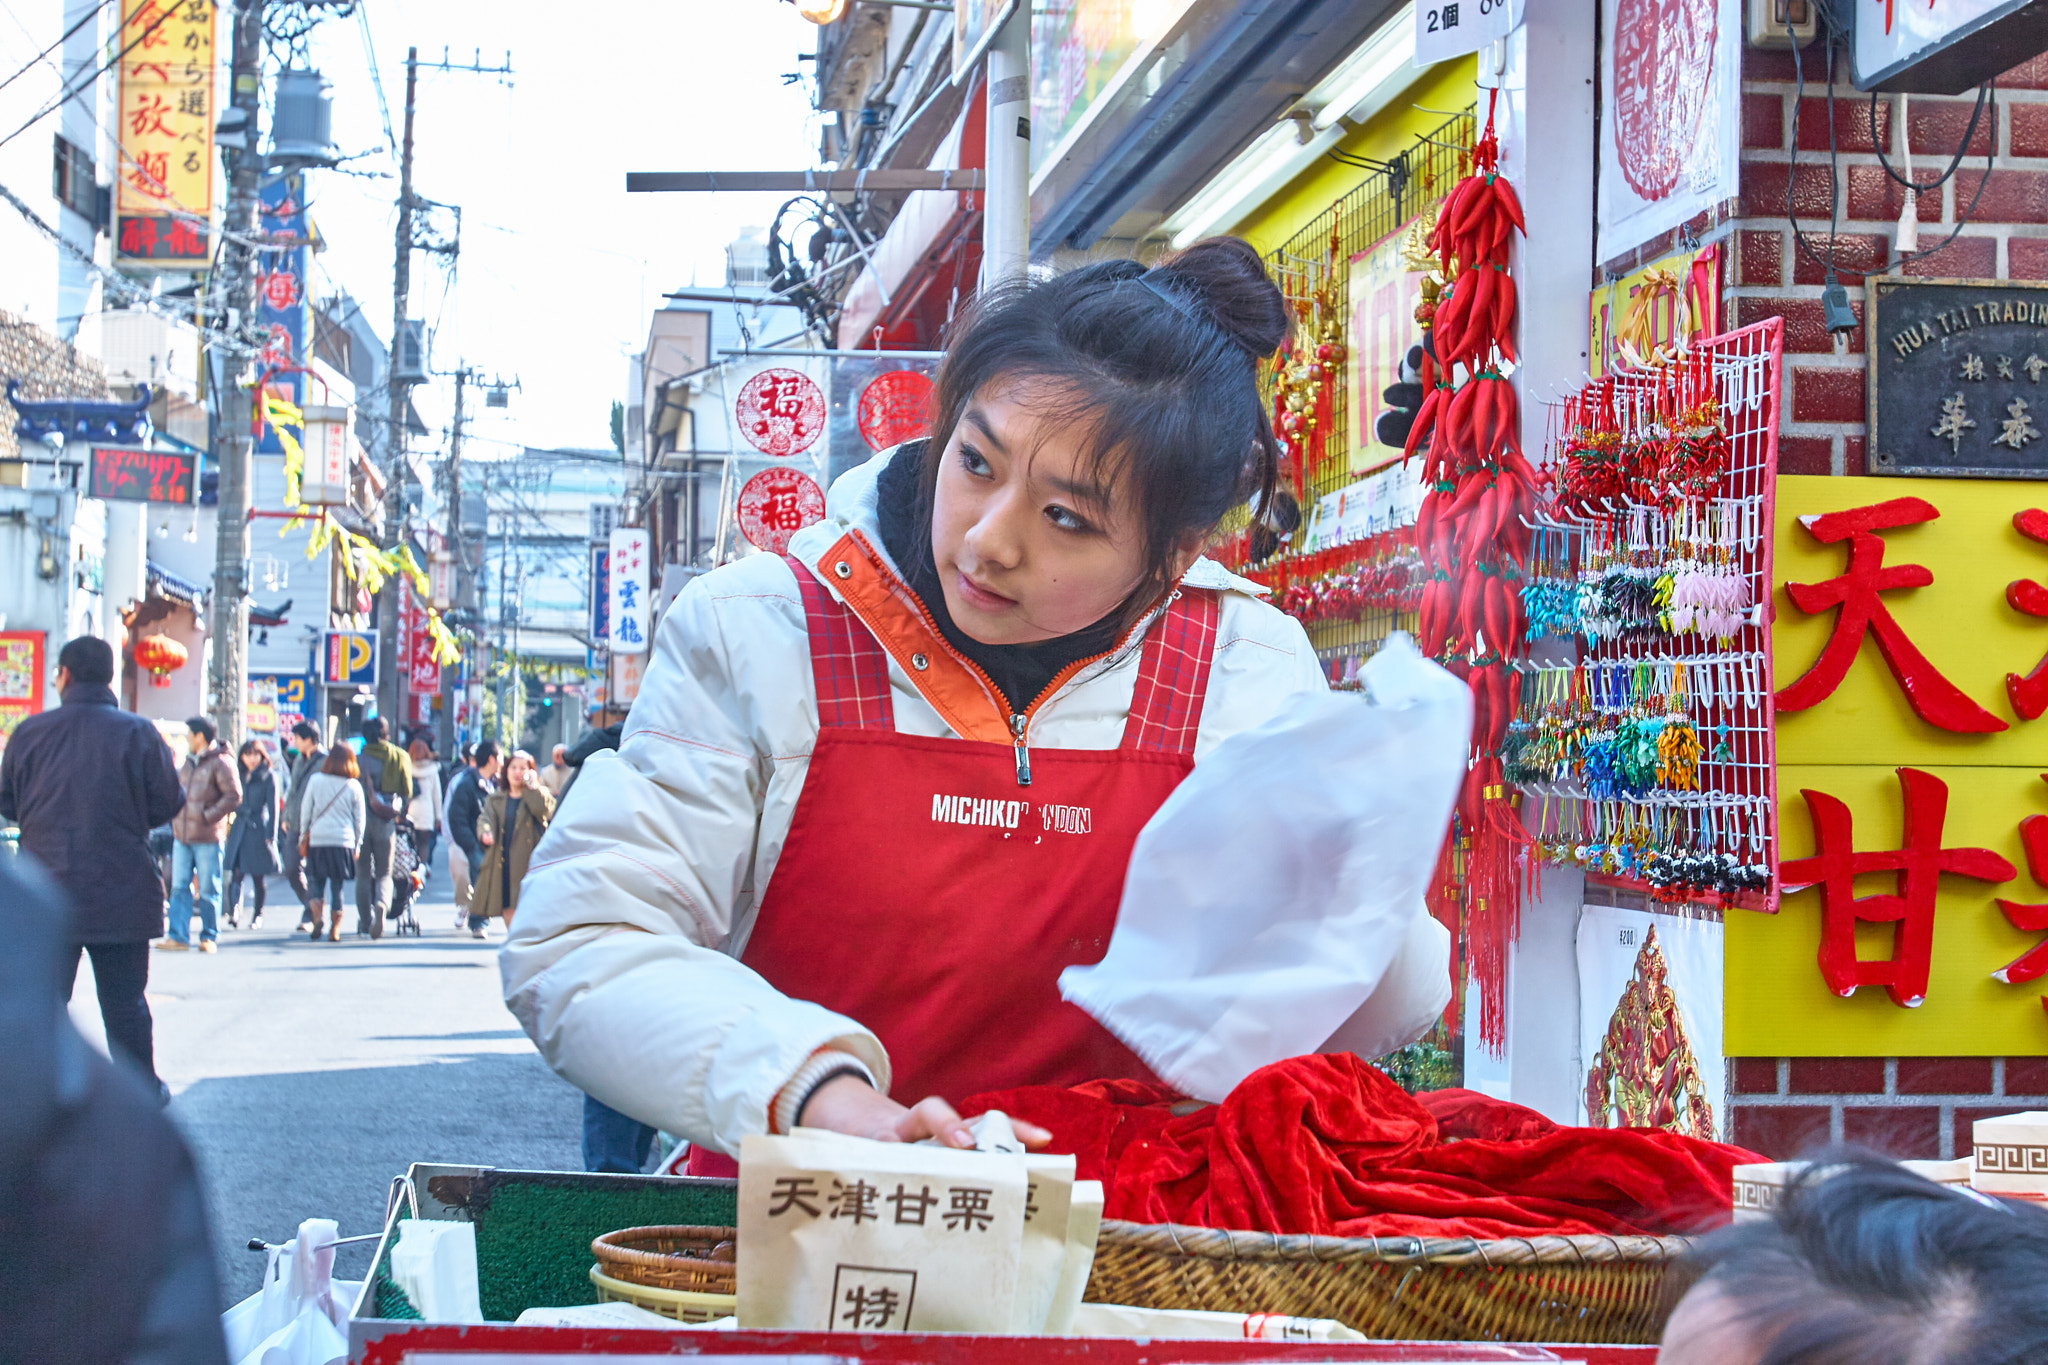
<point x="630" y="571"/>
<point x="1671" y="70"/>
<point x="281" y="306"/>
<point x="600" y="594"/>
<point x="163" y="194"/>
<point x="422" y="669"/>
<point x="1384" y="294"/>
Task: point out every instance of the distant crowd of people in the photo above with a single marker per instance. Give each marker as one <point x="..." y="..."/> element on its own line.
<point x="124" y="828"/>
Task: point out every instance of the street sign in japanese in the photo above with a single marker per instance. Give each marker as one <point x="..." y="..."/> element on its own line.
<point x="281" y="312"/>
<point x="1958" y="377"/>
<point x="163" y="189"/>
<point x="350" y="659"/>
<point x="1910" y="638"/>
<point x="629" y="571"/>
<point x="291" y="694"/>
<point x="777" y="503"/>
<point x="601" y="592"/>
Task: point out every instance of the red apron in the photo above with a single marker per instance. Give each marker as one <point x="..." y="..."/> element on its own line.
<point x="928" y="893"/>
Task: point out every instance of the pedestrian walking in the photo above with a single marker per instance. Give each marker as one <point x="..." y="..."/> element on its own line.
<point x="252" y="844"/>
<point x="212" y="792"/>
<point x="463" y="808"/>
<point x="86" y="783"/>
<point x="301" y="761"/>
<point x="332" y="822"/>
<point x="558" y="772"/>
<point x="512" y="823"/>
<point x="386" y="775"/>
<point x="608" y="725"/>
<point x="425" y="810"/>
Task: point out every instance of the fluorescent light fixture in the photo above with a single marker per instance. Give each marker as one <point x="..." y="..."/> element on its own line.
<point x="1372" y="72"/>
<point x="1386" y="54"/>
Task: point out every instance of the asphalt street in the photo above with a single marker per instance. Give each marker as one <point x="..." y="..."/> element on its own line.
<point x="307" y="1075"/>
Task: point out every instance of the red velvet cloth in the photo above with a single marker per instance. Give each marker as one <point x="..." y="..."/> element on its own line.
<point x="1327" y="1144"/>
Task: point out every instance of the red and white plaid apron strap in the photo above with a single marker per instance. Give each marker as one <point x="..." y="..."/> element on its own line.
<point x="847" y="662"/>
<point x="1173" y="674"/>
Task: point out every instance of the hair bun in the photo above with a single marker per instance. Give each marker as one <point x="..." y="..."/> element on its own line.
<point x="1228" y="279"/>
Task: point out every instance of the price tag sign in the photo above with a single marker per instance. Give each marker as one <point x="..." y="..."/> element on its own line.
<point x="1451" y="28"/>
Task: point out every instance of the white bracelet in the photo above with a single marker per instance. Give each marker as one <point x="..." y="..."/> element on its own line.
<point x="823" y="1064"/>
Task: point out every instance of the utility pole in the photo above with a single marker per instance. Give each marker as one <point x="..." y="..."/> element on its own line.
<point x="460" y="547"/>
<point x="1006" y="220"/>
<point x="391" y="684"/>
<point x="230" y="680"/>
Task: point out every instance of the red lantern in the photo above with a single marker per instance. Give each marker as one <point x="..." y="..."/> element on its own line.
<point x="158" y="655"/>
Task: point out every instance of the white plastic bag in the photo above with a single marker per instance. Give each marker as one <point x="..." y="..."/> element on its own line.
<point x="1270" y="894"/>
<point x="300" y="1315"/>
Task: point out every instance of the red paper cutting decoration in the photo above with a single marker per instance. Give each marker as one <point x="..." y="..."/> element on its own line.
<point x="1938" y="701"/>
<point x="777" y="503"/>
<point x="1663" y="67"/>
<point x="1919" y="866"/>
<point x="780" y="412"/>
<point x="2029" y="695"/>
<point x="894" y="408"/>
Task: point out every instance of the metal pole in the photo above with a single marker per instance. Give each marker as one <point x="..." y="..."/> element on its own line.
<point x="230" y="680"/>
<point x="1006" y="220"/>
<point x="460" y="557"/>
<point x="391" y="684"/>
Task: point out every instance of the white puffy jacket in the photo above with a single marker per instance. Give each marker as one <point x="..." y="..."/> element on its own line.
<point x="623" y="961"/>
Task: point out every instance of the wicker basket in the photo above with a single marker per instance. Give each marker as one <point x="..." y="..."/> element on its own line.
<point x="678" y="1257"/>
<point x="679" y="1304"/>
<point x="1575" y="1289"/>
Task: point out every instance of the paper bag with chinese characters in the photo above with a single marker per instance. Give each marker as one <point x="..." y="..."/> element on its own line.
<point x="840" y="1233"/>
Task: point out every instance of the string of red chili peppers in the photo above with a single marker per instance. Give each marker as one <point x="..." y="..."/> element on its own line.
<point x="1474" y="543"/>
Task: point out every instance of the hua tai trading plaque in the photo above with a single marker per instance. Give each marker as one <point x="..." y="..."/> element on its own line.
<point x="1958" y="378"/>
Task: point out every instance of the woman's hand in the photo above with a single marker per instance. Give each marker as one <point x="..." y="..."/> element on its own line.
<point x="483" y="836"/>
<point x="848" y="1104"/>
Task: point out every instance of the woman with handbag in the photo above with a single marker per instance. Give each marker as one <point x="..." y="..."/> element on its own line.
<point x="332" y="819"/>
<point x="252" y="844"/>
<point x="513" y="820"/>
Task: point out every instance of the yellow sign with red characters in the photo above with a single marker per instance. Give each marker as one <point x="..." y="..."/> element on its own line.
<point x="1911" y="658"/>
<point x="163" y="189"/>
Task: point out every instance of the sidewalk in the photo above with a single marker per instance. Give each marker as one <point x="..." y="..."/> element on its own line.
<point x="306" y="1075"/>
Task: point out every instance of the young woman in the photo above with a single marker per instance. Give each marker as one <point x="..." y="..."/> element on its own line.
<point x="252" y="844"/>
<point x="333" y="816"/>
<point x="875" y="796"/>
<point x="511" y="824"/>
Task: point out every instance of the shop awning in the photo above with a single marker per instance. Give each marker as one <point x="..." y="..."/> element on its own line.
<point x="906" y="287"/>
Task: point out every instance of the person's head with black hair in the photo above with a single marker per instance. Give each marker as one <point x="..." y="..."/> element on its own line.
<point x="373" y="730"/>
<point x="1865" y="1263"/>
<point x="199" y="734"/>
<point x="87" y="661"/>
<point x="305" y="738"/>
<point x="1089" y="433"/>
<point x="486" y="758"/>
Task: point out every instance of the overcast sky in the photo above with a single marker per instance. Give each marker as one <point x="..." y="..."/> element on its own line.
<point x="559" y="265"/>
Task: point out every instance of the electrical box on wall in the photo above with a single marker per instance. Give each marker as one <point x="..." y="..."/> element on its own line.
<point x="1782" y="23"/>
<point x="1943" y="49"/>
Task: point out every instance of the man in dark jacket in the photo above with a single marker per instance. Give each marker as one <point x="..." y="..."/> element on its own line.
<point x="103" y="1248"/>
<point x="466" y="793"/>
<point x="610" y="727"/>
<point x="86" y="783"/>
<point x="385" y="771"/>
<point x="302" y="760"/>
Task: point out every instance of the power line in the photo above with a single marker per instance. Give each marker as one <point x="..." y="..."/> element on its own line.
<point x="87" y="18"/>
<point x="72" y="91"/>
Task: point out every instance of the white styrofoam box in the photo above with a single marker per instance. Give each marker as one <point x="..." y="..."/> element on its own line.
<point x="1759" y="1187"/>
<point x="2011" y="1154"/>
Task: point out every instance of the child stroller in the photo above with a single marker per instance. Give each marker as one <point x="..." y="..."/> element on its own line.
<point x="407" y="877"/>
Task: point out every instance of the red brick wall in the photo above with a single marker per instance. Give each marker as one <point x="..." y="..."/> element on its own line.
<point x="1903" y="1106"/>
<point x="1822" y="428"/>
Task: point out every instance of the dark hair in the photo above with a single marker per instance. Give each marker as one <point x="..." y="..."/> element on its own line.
<point x="1866" y="1262"/>
<point x="256" y="745"/>
<point x="341" y="762"/>
<point x="373" y="729"/>
<point x="202" y="727"/>
<point x="304" y="730"/>
<point x="88" y="659"/>
<point x="1159" y="367"/>
<point x="485" y="752"/>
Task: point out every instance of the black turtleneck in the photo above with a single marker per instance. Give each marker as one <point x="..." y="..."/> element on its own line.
<point x="1020" y="672"/>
